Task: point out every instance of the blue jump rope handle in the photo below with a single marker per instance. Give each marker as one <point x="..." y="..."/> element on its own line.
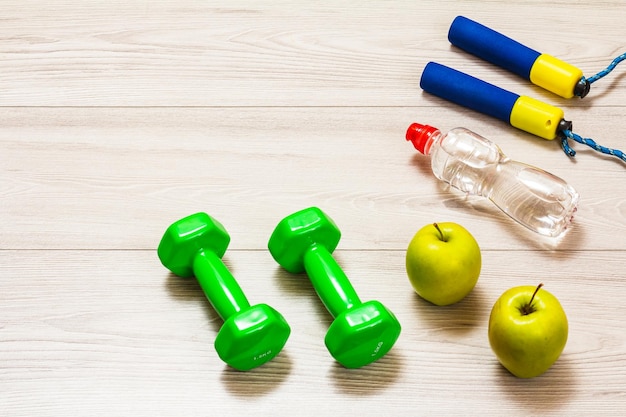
<point x="522" y="112"/>
<point x="492" y="46"/>
<point x="467" y="91"/>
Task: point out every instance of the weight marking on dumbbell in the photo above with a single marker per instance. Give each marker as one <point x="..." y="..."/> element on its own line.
<point x="262" y="355"/>
<point x="378" y="346"/>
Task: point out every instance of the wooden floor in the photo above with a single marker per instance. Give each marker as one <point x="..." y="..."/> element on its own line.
<point x="119" y="117"/>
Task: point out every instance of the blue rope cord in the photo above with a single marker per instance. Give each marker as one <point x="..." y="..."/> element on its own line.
<point x="568" y="134"/>
<point x="608" y="69"/>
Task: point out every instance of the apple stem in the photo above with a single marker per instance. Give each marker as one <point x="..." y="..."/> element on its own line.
<point x="443" y="239"/>
<point x="528" y="308"/>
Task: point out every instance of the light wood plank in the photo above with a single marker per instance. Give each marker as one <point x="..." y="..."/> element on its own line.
<point x="110" y="332"/>
<point x="212" y="53"/>
<point x="115" y="178"/>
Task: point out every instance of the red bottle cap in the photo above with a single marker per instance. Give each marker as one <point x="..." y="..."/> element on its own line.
<point x="419" y="135"/>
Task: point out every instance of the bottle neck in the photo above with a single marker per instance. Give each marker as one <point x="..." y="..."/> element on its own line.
<point x="434" y="138"/>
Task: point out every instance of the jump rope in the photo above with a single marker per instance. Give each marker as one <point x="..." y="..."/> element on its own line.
<point x="522" y="112"/>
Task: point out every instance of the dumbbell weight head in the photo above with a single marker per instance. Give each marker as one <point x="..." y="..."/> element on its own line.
<point x="185" y="238"/>
<point x="295" y="234"/>
<point x="362" y="335"/>
<point x="361" y="332"/>
<point x="250" y="336"/>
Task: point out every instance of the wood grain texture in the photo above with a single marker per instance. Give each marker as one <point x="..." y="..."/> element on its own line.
<point x="107" y="178"/>
<point x="114" y="175"/>
<point x="191" y="53"/>
<point x="111" y="332"/>
<point x="117" y="118"/>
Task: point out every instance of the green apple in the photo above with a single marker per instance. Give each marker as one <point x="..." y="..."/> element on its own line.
<point x="443" y="263"/>
<point x="527" y="330"/>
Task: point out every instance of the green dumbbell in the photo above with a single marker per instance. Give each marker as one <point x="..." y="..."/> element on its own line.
<point x="361" y="332"/>
<point x="250" y="336"/>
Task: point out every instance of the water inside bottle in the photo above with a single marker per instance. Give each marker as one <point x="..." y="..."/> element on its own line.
<point x="542" y="202"/>
<point x="535" y="198"/>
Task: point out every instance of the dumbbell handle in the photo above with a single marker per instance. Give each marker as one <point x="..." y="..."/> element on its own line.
<point x="218" y="284"/>
<point x="329" y="280"/>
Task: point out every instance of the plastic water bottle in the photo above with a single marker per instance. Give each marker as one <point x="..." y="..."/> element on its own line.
<point x="542" y="202"/>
